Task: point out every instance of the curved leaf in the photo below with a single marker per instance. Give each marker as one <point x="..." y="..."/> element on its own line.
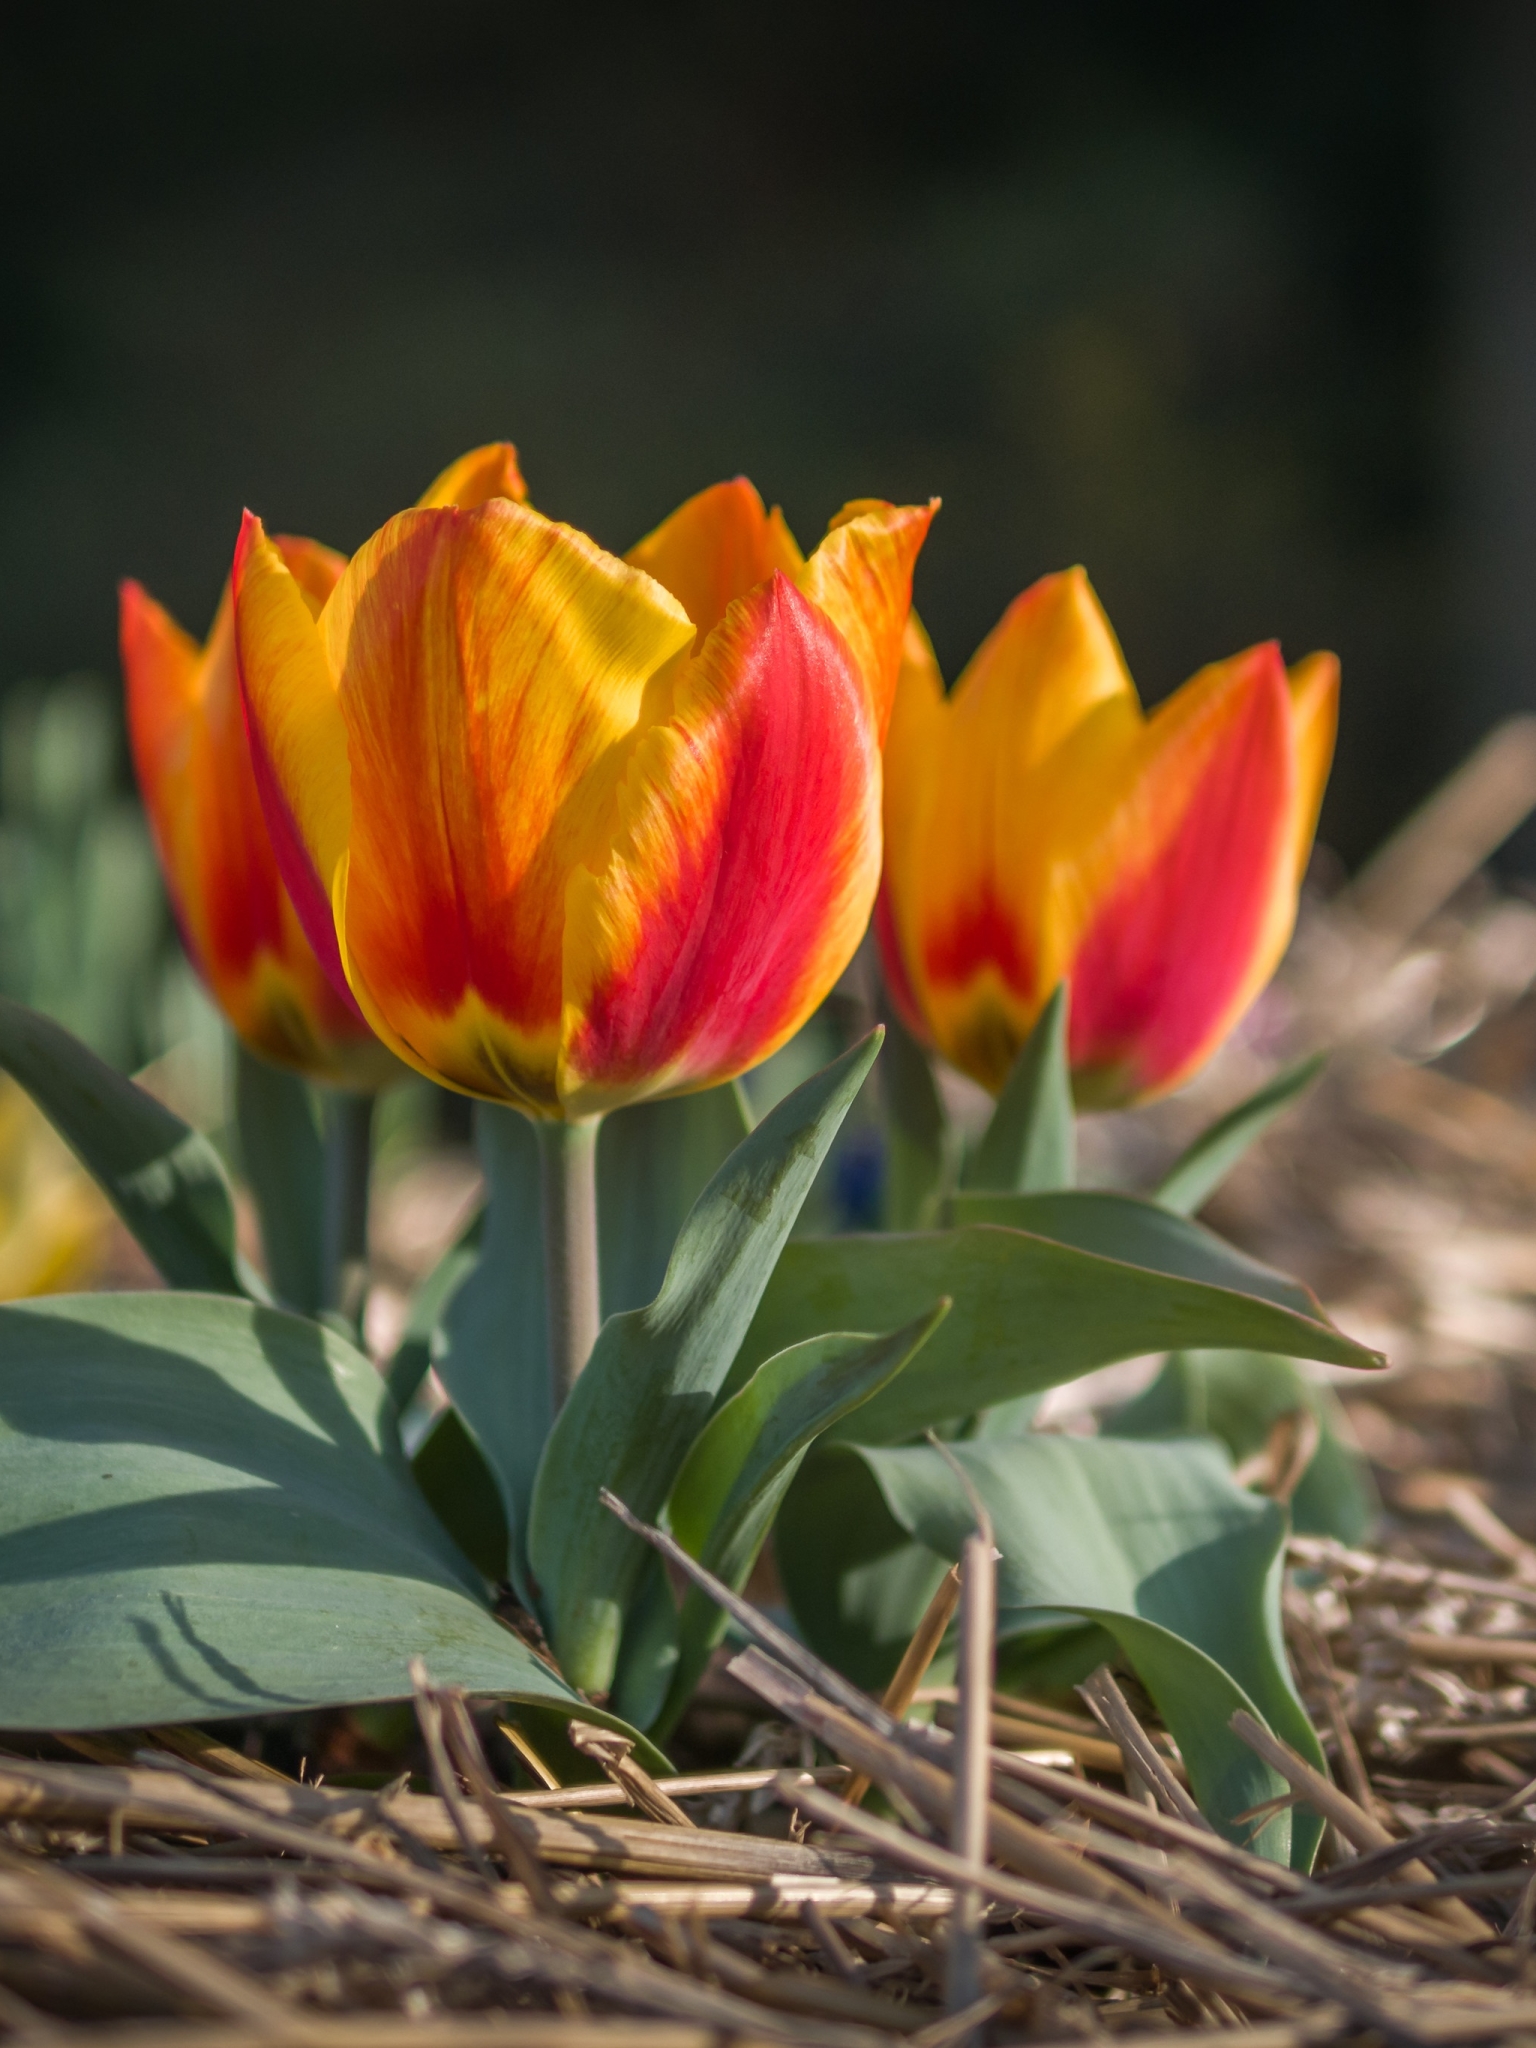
<point x="654" y="1373"/>
<point x="1030" y="1143"/>
<point x="1029" y="1313"/>
<point x="204" y="1511"/>
<point x="1197" y="1173"/>
<point x="1236" y="1396"/>
<point x="742" y="1464"/>
<point x="1155" y="1543"/>
<point x="163" y="1178"/>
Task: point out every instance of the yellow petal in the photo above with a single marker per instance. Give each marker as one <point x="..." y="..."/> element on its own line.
<point x="715" y="548"/>
<point x="489" y="472"/>
<point x="1314" y="685"/>
<point x="861" y="577"/>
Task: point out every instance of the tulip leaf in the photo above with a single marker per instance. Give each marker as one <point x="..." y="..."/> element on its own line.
<point x="1030" y="1313"/>
<point x="742" y="1464"/>
<point x="462" y="1493"/>
<point x="654" y="1160"/>
<point x="1237" y="1396"/>
<point x="284" y="1162"/>
<point x="654" y="1373"/>
<point x="1197" y="1173"/>
<point x="163" y="1178"/>
<point x="491" y="1352"/>
<point x="919" y="1141"/>
<point x="1153" y="1543"/>
<point x="1031" y="1142"/>
<point x="421" y="1337"/>
<point x="205" y="1511"/>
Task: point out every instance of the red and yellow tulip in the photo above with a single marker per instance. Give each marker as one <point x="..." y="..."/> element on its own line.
<point x="186" y="727"/>
<point x="1039" y="826"/>
<point x="579" y="830"/>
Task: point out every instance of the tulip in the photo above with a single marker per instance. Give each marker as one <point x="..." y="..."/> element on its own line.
<point x="1040" y="827"/>
<point x="186" y="727"/>
<point x="581" y="831"/>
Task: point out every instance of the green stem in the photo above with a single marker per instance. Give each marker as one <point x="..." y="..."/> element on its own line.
<point x="568" y="1186"/>
<point x="348" y="1163"/>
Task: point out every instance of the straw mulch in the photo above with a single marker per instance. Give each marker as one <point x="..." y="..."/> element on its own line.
<point x="1021" y="1872"/>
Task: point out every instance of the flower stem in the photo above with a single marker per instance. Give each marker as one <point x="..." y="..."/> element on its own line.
<point x="568" y="1184"/>
<point x="348" y="1162"/>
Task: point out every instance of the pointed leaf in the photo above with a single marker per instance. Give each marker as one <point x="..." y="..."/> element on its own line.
<point x="742" y="1464"/>
<point x="655" y="1372"/>
<point x="459" y="1489"/>
<point x="163" y="1178"/>
<point x="1030" y="1312"/>
<point x="1031" y="1142"/>
<point x="283" y="1158"/>
<point x="204" y="1511"/>
<point x="491" y="1352"/>
<point x="1195" y="1176"/>
<point x="654" y="1160"/>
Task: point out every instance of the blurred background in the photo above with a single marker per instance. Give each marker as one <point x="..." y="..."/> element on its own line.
<point x="1236" y="306"/>
<point x="1233" y="305"/>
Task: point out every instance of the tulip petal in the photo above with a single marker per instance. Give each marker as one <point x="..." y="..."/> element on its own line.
<point x="489" y="472"/>
<point x="190" y="753"/>
<point x="297" y="738"/>
<point x="714" y="549"/>
<point x="744" y="869"/>
<point x="861" y="577"/>
<point x="971" y="813"/>
<point x="1314" y="685"/>
<point x="1188" y="880"/>
<point x="491" y="665"/>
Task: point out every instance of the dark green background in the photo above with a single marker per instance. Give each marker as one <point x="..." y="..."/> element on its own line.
<point x="1168" y="289"/>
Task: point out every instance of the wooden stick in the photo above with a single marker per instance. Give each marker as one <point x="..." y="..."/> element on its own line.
<point x="915" y="1660"/>
<point x="972" y="1762"/>
<point x="1135" y="1745"/>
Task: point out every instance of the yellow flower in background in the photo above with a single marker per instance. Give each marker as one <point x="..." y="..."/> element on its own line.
<point x="53" y="1218"/>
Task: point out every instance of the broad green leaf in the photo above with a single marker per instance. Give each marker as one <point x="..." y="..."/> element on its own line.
<point x="491" y="1351"/>
<point x="1237" y="1396"/>
<point x="413" y="1353"/>
<point x="654" y="1160"/>
<point x="743" y="1462"/>
<point x="163" y="1178"/>
<point x="655" y="1372"/>
<point x="462" y="1494"/>
<point x="1138" y="1233"/>
<point x="283" y="1159"/>
<point x="1030" y="1312"/>
<point x="1157" y="1545"/>
<point x="919" y="1141"/>
<point x="1195" y="1176"/>
<point x="205" y="1511"/>
<point x="1031" y="1142"/>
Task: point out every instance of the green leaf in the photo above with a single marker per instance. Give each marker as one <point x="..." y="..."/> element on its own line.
<point x="654" y="1160"/>
<point x="462" y="1494"/>
<point x="1237" y="1396"/>
<point x="413" y="1353"/>
<point x="919" y="1141"/>
<point x="491" y="1351"/>
<point x="1156" y="1544"/>
<point x="1030" y="1312"/>
<point x="283" y="1158"/>
<point x="1031" y="1142"/>
<point x="742" y="1463"/>
<point x="1197" y="1173"/>
<point x="857" y="1583"/>
<point x="163" y="1178"/>
<point x="204" y="1511"/>
<point x="1139" y="1233"/>
<point x="654" y="1373"/>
